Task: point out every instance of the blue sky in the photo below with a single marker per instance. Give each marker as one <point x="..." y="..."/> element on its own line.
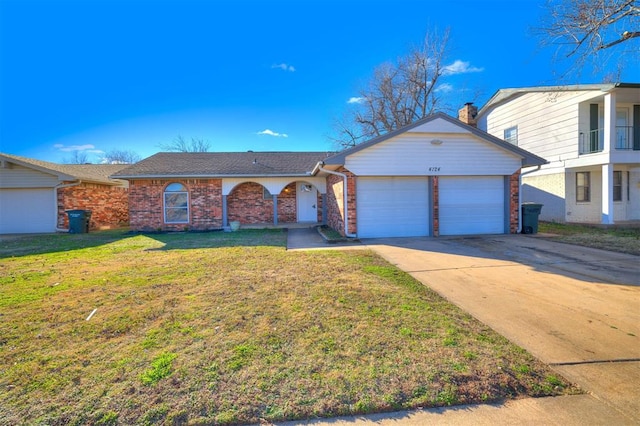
<point x="97" y="75"/>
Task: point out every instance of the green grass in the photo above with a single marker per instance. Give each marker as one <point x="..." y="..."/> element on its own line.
<point x="222" y="328"/>
<point x="619" y="239"/>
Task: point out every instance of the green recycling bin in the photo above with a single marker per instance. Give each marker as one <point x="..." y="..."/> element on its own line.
<point x="79" y="221"/>
<point x="530" y="213"/>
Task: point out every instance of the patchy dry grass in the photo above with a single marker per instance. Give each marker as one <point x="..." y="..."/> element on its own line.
<point x="623" y="240"/>
<point x="224" y="328"/>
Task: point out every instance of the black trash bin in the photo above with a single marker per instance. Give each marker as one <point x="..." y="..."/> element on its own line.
<point x="530" y="213"/>
<point x="79" y="221"/>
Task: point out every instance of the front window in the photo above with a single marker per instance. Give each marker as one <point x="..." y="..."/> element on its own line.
<point x="176" y="203"/>
<point x="617" y="186"/>
<point x="583" y="192"/>
<point x="511" y="135"/>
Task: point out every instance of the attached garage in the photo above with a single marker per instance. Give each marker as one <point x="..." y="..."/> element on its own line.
<point x="437" y="176"/>
<point x="472" y="205"/>
<point x="34" y="194"/>
<point x="27" y="210"/>
<point x="393" y="206"/>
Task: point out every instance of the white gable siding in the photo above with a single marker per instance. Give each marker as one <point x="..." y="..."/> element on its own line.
<point x="414" y="155"/>
<point x="16" y="176"/>
<point x="438" y="126"/>
<point x="547" y="122"/>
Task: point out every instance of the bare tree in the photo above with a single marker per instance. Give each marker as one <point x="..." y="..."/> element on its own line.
<point x="397" y="94"/>
<point x="120" y="156"/>
<point x="77" y="157"/>
<point x="592" y="30"/>
<point x="179" y="144"/>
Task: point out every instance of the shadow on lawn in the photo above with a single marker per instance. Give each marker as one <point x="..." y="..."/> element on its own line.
<point x="31" y="244"/>
<point x="213" y="239"/>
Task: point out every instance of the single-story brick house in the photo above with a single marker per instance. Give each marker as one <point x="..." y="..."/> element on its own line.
<point x="437" y="176"/>
<point x="35" y="195"/>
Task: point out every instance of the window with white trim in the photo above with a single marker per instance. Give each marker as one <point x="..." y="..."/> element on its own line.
<point x="176" y="203"/>
<point x="511" y="135"/>
<point x="617" y="186"/>
<point x="583" y="187"/>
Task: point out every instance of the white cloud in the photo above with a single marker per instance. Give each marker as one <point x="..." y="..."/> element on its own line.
<point x="70" y="148"/>
<point x="444" y="88"/>
<point x="355" y="100"/>
<point x="284" y="67"/>
<point x="460" y="67"/>
<point x="269" y="132"/>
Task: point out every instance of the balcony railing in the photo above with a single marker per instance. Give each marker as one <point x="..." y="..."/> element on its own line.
<point x="593" y="141"/>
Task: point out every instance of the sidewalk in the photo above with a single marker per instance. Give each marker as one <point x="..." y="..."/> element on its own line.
<point x="562" y="411"/>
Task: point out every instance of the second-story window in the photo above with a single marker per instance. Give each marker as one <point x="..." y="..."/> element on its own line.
<point x="511" y="135"/>
<point x="583" y="187"/>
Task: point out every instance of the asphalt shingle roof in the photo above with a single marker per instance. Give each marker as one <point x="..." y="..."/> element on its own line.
<point x="98" y="173"/>
<point x="219" y="164"/>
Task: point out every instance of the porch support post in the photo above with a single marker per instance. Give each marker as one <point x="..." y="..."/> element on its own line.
<point x="225" y="221"/>
<point x="275" y="209"/>
<point x="324" y="209"/>
<point x="609" y="122"/>
<point x="607" y="194"/>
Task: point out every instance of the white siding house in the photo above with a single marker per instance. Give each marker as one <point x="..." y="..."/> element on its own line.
<point x="590" y="136"/>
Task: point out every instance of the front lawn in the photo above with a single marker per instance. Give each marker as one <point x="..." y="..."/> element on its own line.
<point x="219" y="328"/>
<point x="620" y="239"/>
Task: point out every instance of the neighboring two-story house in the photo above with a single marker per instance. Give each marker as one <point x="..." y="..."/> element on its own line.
<point x="590" y="136"/>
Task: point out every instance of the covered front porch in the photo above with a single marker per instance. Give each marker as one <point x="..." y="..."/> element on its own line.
<point x="606" y="194"/>
<point x="273" y="202"/>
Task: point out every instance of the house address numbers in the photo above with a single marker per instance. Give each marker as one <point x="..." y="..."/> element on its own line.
<point x="434" y="169"/>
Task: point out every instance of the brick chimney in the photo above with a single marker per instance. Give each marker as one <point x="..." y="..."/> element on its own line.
<point x="467" y="114"/>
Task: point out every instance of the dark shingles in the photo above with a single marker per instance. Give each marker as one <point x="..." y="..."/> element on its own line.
<point x="203" y="164"/>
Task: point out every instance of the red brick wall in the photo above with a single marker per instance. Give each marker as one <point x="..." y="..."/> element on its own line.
<point x="514" y="199"/>
<point x="108" y="204"/>
<point x="435" y="194"/>
<point x="247" y="205"/>
<point x="146" y="204"/>
<point x="287" y="205"/>
<point x="334" y="217"/>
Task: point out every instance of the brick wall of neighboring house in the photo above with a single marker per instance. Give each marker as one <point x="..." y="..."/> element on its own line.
<point x="514" y="197"/>
<point x="108" y="204"/>
<point x="146" y="205"/>
<point x="335" y="201"/>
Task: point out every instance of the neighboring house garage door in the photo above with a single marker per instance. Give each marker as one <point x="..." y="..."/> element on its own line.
<point x="392" y="207"/>
<point x="27" y="211"/>
<point x="471" y="205"/>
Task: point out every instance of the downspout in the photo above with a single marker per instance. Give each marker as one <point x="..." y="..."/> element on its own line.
<point x="346" y="207"/>
<point x="56" y="188"/>
<point x="520" y="194"/>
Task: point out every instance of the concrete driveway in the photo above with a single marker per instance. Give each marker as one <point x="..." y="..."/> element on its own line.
<point x="576" y="309"/>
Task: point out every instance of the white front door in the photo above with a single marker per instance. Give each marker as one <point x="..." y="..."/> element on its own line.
<point x="307" y="197"/>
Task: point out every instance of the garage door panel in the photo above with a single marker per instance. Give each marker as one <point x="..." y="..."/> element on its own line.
<point x="27" y="211"/>
<point x="392" y="207"/>
<point x="471" y="205"/>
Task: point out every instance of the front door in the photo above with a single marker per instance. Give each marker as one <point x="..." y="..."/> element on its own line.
<point x="307" y="203"/>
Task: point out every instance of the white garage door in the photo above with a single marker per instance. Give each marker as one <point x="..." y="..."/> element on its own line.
<point x="27" y="211"/>
<point x="471" y="205"/>
<point x="392" y="207"/>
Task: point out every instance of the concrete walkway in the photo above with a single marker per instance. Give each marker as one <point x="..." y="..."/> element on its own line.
<point x="576" y="309"/>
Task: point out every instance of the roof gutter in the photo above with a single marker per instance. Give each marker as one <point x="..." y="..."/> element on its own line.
<point x="55" y="200"/>
<point x="346" y="207"/>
